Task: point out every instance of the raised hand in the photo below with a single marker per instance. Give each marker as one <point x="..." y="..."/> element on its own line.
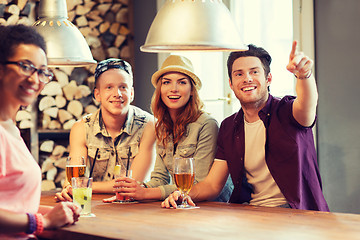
<point x="299" y="64"/>
<point x="304" y="107"/>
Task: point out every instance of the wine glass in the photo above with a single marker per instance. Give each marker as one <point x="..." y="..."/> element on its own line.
<point x="184" y="178"/>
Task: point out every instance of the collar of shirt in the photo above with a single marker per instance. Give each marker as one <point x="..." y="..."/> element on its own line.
<point x="264" y="113"/>
<point x="100" y="127"/>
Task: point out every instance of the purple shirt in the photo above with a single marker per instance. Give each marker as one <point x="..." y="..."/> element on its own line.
<point x="289" y="154"/>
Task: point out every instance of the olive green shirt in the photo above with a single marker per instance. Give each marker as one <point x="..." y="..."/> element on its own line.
<point x="199" y="142"/>
<point x="109" y="152"/>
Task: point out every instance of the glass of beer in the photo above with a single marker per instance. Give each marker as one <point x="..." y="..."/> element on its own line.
<point x="184" y="176"/>
<point x="75" y="167"/>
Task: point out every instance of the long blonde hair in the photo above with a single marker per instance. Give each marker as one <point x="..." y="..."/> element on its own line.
<point x="164" y="126"/>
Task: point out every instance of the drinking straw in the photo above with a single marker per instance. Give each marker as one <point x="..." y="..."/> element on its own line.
<point x="92" y="167"/>
<point x="128" y="162"/>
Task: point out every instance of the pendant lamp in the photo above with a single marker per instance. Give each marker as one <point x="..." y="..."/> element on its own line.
<point x="66" y="46"/>
<point x="193" y="25"/>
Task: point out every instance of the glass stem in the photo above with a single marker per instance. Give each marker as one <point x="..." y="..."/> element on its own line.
<point x="184" y="201"/>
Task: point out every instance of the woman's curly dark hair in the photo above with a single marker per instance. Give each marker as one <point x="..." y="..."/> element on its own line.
<point x="13" y="35"/>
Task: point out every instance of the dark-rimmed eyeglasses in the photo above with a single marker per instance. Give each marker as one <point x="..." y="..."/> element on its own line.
<point x="28" y="69"/>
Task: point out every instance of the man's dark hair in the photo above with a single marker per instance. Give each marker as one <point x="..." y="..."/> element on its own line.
<point x="13" y="35"/>
<point x="253" y="51"/>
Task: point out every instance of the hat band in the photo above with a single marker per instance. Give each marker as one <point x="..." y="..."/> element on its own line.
<point x="118" y="64"/>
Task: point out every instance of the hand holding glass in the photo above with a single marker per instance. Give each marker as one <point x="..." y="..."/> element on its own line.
<point x="120" y="171"/>
<point x="184" y="178"/>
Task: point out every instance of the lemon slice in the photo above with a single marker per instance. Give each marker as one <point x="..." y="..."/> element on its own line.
<point x="82" y="195"/>
<point x="117" y="170"/>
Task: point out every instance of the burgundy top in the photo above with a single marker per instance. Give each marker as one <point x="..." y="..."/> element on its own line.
<point x="289" y="153"/>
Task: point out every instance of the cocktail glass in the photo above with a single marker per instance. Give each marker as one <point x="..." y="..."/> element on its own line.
<point x="82" y="194"/>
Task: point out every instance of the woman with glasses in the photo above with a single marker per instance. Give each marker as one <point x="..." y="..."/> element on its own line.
<point x="23" y="74"/>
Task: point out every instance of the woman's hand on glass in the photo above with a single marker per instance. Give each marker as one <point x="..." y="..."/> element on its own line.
<point x="173" y="199"/>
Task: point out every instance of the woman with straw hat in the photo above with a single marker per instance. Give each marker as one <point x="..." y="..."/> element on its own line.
<point x="182" y="129"/>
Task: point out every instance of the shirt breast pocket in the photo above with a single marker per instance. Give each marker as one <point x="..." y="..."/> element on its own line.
<point x="167" y="159"/>
<point x="100" y="162"/>
<point x="187" y="151"/>
<point x="130" y="151"/>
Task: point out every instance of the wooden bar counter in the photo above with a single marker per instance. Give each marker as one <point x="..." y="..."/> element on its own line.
<point x="212" y="220"/>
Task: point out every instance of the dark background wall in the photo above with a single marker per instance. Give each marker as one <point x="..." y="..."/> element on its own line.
<point x="337" y="39"/>
<point x="145" y="63"/>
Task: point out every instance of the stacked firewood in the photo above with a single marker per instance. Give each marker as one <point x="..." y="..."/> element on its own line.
<point x="105" y="25"/>
<point x="66" y="99"/>
<point x="62" y="102"/>
<point x="16" y="12"/>
<point x="53" y="164"/>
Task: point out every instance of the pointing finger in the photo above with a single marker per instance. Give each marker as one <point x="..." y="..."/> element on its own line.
<point x="293" y="50"/>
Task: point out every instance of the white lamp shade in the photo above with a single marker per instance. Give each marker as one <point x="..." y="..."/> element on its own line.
<point x="66" y="46"/>
<point x="202" y="25"/>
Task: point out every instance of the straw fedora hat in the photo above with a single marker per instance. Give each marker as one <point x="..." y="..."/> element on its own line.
<point x="175" y="63"/>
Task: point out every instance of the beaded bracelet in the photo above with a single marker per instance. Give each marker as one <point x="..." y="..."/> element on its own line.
<point x="32" y="223"/>
<point x="39" y="223"/>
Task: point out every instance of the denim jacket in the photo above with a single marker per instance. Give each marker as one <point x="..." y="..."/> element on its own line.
<point x="199" y="142"/>
<point x="109" y="152"/>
